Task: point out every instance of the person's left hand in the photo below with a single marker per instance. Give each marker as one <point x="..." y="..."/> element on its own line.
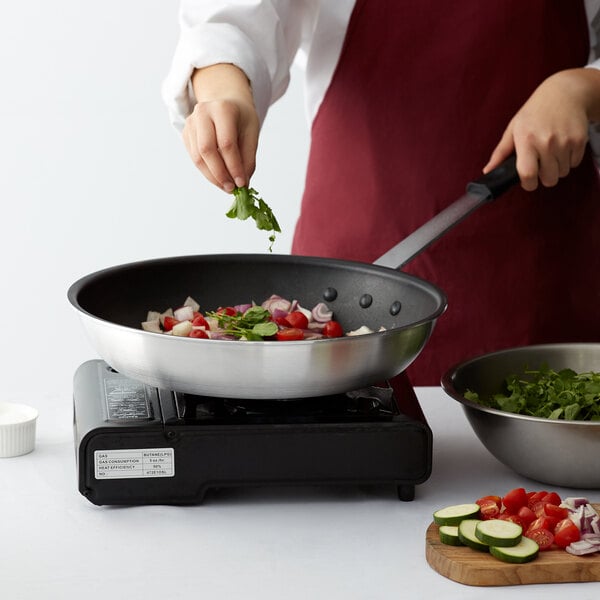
<point x="550" y="132"/>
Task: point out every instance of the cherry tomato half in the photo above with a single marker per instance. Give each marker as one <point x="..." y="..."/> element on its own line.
<point x="168" y="323"/>
<point x="290" y="334"/>
<point x="552" y="498"/>
<point x="542" y="537"/>
<point x="297" y="319"/>
<point x="495" y="499"/>
<point x="558" y="512"/>
<point x="333" y="329"/>
<point x="198" y="333"/>
<point x="200" y="321"/>
<point x="227" y="310"/>
<point x="514" y="500"/>
<point x="488" y="509"/>
<point x="526" y="515"/>
<point x="565" y="533"/>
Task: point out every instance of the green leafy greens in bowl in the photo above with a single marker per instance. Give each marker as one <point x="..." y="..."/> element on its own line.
<point x="547" y="393"/>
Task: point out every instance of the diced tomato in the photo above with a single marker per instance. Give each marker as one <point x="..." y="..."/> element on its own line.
<point x="557" y="512"/>
<point x="290" y="334"/>
<point x="198" y="333"/>
<point x="514" y="500"/>
<point x="526" y="515"/>
<point x="169" y="322"/>
<point x="297" y="319"/>
<point x="538" y="508"/>
<point x="281" y="321"/>
<point x="542" y="537"/>
<point x="200" y="321"/>
<point x="514" y="518"/>
<point x="333" y="329"/>
<point x="552" y="498"/>
<point x="565" y="533"/>
<point x="535" y="497"/>
<point x="227" y="310"/>
<point x="489" y="510"/>
<point x="495" y="499"/>
<point x="546" y="522"/>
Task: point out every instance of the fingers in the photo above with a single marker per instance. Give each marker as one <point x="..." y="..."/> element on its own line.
<point x="222" y="143"/>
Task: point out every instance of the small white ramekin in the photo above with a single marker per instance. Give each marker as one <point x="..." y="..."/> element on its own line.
<point x="17" y="429"/>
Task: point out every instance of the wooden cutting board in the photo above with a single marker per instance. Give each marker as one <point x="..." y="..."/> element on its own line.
<point x="471" y="567"/>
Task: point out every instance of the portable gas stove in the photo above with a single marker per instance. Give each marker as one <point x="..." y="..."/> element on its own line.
<point x="140" y="445"/>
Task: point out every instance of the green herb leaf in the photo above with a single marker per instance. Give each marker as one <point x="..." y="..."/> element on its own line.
<point x="246" y="204"/>
<point x="549" y="394"/>
<point x="254" y="325"/>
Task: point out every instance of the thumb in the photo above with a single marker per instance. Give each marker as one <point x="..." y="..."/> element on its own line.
<point x="505" y="147"/>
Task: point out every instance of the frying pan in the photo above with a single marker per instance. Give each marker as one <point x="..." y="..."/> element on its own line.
<point x="113" y="302"/>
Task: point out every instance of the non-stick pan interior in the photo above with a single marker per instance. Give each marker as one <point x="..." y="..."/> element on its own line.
<point x="359" y="294"/>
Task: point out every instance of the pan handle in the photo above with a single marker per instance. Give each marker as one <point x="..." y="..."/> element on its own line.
<point x="483" y="190"/>
<point x="496" y="182"/>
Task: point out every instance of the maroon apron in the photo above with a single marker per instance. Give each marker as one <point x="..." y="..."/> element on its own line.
<point x="421" y="95"/>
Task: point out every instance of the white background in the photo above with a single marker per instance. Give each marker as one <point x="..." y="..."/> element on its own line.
<point x="92" y="174"/>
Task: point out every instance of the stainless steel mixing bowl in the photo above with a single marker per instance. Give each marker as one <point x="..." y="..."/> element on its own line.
<point x="557" y="452"/>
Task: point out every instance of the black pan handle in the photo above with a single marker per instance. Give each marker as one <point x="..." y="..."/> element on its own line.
<point x="479" y="192"/>
<point x="496" y="182"/>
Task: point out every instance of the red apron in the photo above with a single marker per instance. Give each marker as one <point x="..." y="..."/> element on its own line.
<point x="421" y="95"/>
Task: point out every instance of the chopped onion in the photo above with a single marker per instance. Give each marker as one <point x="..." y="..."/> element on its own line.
<point x="182" y="329"/>
<point x="185" y="313"/>
<point x="189" y="301"/>
<point x="242" y="308"/>
<point x="360" y="331"/>
<point x="152" y="325"/>
<point x="322" y="313"/>
<point x="276" y="302"/>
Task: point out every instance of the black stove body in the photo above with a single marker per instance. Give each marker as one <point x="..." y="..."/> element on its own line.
<point x="140" y="445"/>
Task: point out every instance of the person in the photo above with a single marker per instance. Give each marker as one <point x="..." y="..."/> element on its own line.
<point x="409" y="101"/>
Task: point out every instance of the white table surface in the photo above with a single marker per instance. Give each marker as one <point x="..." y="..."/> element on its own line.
<point x="291" y="543"/>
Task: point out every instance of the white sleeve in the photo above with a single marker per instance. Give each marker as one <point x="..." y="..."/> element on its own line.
<point x="261" y="37"/>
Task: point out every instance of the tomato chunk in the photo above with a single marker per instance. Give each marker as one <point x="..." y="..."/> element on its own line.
<point x="290" y="334"/>
<point x="542" y="537"/>
<point x="200" y="321"/>
<point x="198" y="333"/>
<point x="558" y="512"/>
<point x="488" y="509"/>
<point x="565" y="533"/>
<point x="169" y="323"/>
<point x="514" y="500"/>
<point x="297" y="319"/>
<point x="333" y="329"/>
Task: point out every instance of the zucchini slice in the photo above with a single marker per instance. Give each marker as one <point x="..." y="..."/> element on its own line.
<point x="453" y="515"/>
<point x="497" y="532"/>
<point x="525" y="551"/>
<point x="449" y="535"/>
<point x="466" y="534"/>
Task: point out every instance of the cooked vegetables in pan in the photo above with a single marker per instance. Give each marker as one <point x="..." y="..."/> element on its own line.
<point x="275" y="319"/>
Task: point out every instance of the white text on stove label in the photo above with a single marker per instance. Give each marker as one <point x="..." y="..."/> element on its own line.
<point x="134" y="463"/>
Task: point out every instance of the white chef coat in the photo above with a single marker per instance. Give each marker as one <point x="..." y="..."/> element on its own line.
<point x="265" y="37"/>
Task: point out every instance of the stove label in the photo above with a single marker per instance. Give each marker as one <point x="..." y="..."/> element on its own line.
<point x="134" y="464"/>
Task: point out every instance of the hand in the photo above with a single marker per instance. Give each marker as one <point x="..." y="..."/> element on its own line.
<point x="550" y="131"/>
<point x="221" y="134"/>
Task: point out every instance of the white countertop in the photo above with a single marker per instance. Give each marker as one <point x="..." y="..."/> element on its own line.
<point x="292" y="543"/>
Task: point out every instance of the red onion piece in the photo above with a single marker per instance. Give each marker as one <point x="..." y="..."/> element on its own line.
<point x="276" y="302"/>
<point x="322" y="313"/>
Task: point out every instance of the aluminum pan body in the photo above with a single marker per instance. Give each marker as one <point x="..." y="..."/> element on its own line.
<point x="113" y="302"/>
<point x="561" y="453"/>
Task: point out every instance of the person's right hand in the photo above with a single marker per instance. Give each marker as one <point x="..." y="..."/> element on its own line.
<point x="221" y="134"/>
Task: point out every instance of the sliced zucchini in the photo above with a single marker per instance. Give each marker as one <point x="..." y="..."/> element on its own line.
<point x="449" y="535"/>
<point x="466" y="534"/>
<point x="522" y="552"/>
<point x="496" y="532"/>
<point x="453" y="515"/>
